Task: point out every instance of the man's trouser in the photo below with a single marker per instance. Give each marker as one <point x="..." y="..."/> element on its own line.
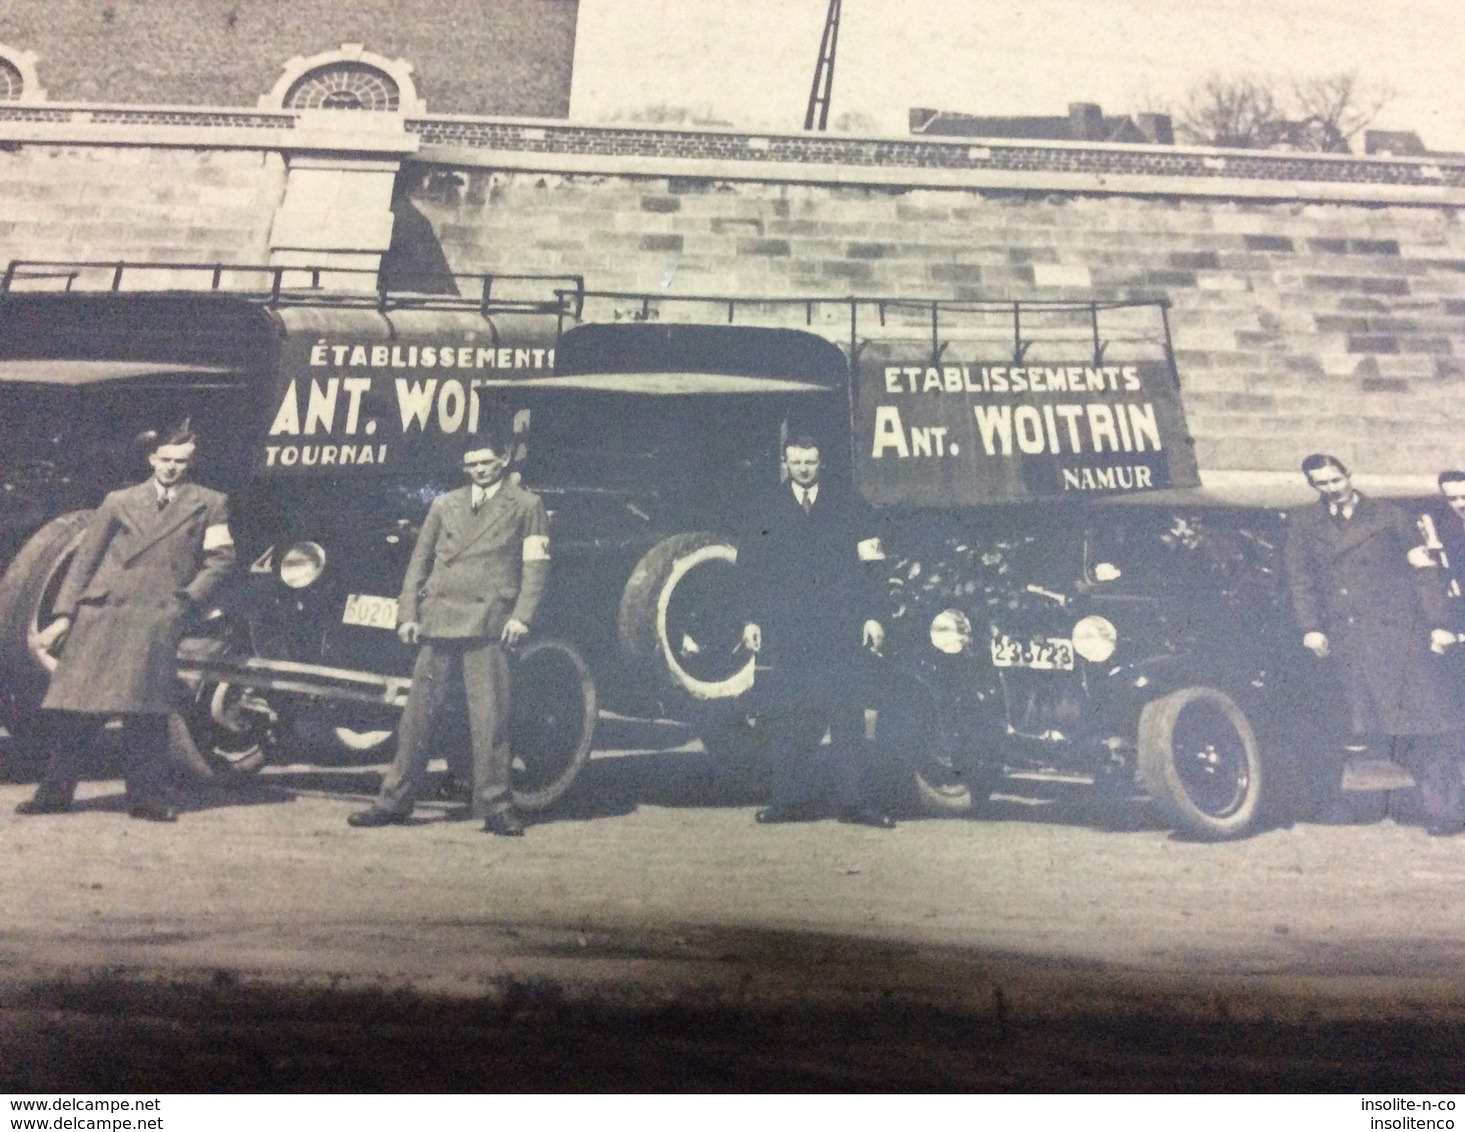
<point x="483" y="669"/>
<point x="1434" y="761"/>
<point x="70" y="736"/>
<point x="807" y="695"/>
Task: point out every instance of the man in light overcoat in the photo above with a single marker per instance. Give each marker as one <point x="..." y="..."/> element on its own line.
<point x="150" y="558"/>
<point x="474" y="581"/>
<point x="1363" y="604"/>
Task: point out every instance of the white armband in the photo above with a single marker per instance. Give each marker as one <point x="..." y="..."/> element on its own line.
<point x="217" y="536"/>
<point x="536" y="548"/>
<point x="870" y="550"/>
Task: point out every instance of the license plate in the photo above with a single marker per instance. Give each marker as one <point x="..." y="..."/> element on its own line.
<point x="369" y="610"/>
<point x="1052" y="653"/>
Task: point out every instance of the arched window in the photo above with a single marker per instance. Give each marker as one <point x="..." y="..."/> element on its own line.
<point x="349" y="79"/>
<point x="344" y="86"/>
<point x="18" y="81"/>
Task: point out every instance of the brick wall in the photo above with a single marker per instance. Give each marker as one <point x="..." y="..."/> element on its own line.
<point x="470" y="57"/>
<point x="91" y="203"/>
<point x="1297" y="326"/>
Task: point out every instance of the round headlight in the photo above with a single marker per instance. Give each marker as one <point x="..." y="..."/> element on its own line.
<point x="1094" y="638"/>
<point x="951" y="631"/>
<point x="302" y="564"/>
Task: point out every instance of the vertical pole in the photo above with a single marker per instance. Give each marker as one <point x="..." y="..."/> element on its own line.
<point x="823" y="85"/>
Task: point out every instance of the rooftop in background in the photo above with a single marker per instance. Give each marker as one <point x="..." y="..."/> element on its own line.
<point x="1085" y="121"/>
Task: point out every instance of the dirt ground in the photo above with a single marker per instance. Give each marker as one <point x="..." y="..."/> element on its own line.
<point x="648" y="934"/>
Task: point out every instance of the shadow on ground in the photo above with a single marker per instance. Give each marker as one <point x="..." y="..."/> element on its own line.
<point x="119" y="1032"/>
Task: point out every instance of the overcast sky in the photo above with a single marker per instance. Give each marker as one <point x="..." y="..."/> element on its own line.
<point x="751" y="61"/>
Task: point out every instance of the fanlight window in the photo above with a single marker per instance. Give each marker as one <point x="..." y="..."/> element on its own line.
<point x="344" y="86"/>
<point x="12" y="83"/>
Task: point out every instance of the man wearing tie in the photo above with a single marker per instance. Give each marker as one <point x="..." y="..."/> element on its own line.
<point x="1362" y="606"/>
<point x="473" y="583"/>
<point x="150" y="557"/>
<point x="805" y="558"/>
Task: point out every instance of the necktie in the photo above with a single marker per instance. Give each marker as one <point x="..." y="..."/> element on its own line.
<point x="806" y="501"/>
<point x="164" y="499"/>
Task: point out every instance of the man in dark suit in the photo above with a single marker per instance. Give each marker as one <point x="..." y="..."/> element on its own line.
<point x="804" y="559"/>
<point x="151" y="555"/>
<point x="473" y="584"/>
<point x="1362" y="602"/>
<point x="1448" y="549"/>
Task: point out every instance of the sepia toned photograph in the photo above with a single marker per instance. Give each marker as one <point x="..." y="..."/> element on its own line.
<point x="589" y="546"/>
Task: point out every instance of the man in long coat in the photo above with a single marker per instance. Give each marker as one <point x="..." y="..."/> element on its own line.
<point x="149" y="558"/>
<point x="803" y="558"/>
<point x="473" y="583"/>
<point x="1362" y="601"/>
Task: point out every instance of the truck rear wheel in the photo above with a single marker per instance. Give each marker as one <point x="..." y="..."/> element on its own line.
<point x="1201" y="764"/>
<point x="551" y="722"/>
<point x="28" y="591"/>
<point x="678" y="613"/>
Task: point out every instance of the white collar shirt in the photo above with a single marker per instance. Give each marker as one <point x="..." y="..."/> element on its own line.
<point x="481" y="495"/>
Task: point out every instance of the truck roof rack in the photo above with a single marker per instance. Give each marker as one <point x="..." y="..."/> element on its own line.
<point x="1020" y="330"/>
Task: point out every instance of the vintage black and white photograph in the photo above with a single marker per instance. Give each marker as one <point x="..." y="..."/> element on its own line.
<point x="579" y="545"/>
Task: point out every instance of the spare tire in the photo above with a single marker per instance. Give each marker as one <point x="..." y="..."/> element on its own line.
<point x="27" y="592"/>
<point x="679" y="613"/>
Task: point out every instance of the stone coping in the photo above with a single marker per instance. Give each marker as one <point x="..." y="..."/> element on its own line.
<point x="554" y="145"/>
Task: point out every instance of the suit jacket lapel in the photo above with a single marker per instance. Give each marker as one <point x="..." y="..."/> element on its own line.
<point x="473" y="527"/>
<point x="153" y="525"/>
<point x="1343" y="537"/>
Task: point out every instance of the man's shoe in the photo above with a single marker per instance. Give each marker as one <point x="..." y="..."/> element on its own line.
<point x="153" y="811"/>
<point x="504" y="823"/>
<point x="32" y="806"/>
<point x="1445" y="828"/>
<point x="868" y="815"/>
<point x="376" y="817"/>
<point x="453" y="789"/>
<point x="780" y="815"/>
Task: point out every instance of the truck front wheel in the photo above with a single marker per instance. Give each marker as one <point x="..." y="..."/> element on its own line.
<point x="551" y="723"/>
<point x="909" y="733"/>
<point x="234" y="728"/>
<point x="1200" y="763"/>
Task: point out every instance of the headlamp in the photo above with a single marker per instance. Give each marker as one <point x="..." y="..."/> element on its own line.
<point x="1095" y="638"/>
<point x="302" y="564"/>
<point x="951" y="631"/>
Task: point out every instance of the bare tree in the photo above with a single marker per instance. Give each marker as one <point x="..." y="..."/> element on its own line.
<point x="1258" y="112"/>
<point x="1331" y="111"/>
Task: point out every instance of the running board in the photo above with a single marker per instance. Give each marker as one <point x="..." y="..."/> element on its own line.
<point x="316" y="680"/>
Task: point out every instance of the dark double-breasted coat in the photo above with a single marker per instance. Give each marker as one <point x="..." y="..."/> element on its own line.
<point x="808" y="585"/>
<point x="809" y="590"/>
<point x="1352" y="580"/>
<point x="138" y="571"/>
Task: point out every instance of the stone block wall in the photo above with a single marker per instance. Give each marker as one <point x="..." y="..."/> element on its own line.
<point x="138" y="203"/>
<point x="1296" y="326"/>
